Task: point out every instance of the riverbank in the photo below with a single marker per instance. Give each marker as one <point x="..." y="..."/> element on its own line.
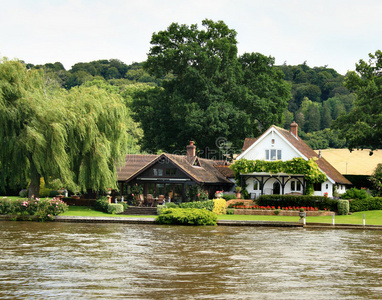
<point x="251" y="223"/>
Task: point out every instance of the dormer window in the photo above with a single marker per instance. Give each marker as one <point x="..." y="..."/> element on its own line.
<point x="272" y="154"/>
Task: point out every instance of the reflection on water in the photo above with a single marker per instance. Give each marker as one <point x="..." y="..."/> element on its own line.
<point x="108" y="261"/>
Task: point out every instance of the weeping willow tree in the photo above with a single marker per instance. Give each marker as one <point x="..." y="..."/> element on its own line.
<point x="76" y="136"/>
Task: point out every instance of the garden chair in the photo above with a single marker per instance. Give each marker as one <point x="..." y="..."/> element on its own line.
<point x="150" y="200"/>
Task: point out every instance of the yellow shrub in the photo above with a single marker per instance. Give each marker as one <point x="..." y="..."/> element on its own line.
<point x="219" y="206"/>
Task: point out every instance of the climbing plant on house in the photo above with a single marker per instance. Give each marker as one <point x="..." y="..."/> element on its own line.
<point x="297" y="165"/>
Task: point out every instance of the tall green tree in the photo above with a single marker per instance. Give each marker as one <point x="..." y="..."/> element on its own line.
<point x="208" y="91"/>
<point x="74" y="136"/>
<point x="362" y="127"/>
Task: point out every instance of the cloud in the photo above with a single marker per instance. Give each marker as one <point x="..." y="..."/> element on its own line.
<point x="335" y="33"/>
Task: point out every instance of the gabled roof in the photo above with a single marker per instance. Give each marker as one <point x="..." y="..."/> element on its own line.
<point x="248" y="142"/>
<point x="308" y="152"/>
<point x="204" y="172"/>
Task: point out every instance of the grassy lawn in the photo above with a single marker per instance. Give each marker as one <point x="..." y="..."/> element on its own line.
<point x="84" y="211"/>
<point x="12" y="197"/>
<point x="373" y="217"/>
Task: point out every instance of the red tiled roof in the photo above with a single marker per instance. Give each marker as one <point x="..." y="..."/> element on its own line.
<point x="308" y="152"/>
<point x="248" y="142"/>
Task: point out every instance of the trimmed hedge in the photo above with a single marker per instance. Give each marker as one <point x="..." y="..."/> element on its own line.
<point x="208" y="205"/>
<point x="186" y="216"/>
<point x="372" y="203"/>
<point x="219" y="206"/>
<point x="300" y="201"/>
<point x="114" y="208"/>
<point x="343" y="207"/>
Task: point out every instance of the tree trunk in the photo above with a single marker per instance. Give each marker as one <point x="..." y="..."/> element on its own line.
<point x="34" y="187"/>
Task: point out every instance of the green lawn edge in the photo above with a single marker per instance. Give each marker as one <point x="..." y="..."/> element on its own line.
<point x="373" y="217"/>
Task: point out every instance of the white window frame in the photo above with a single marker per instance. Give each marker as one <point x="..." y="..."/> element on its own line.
<point x="273" y="154"/>
<point x="295" y="186"/>
<point x="257" y="185"/>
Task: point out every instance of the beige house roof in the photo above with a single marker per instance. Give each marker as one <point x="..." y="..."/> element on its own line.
<point x="357" y="162"/>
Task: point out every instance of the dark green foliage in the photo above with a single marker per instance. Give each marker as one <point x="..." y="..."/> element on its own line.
<point x="362" y="127"/>
<point x="298" y="201"/>
<point x="343" y="207"/>
<point x="323" y="139"/>
<point x="211" y="92"/>
<point x="209" y="205"/>
<point x="190" y="216"/>
<point x="101" y="204"/>
<point x="355" y="193"/>
<point x="371" y="203"/>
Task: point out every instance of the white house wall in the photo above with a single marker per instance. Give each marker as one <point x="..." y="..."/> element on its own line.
<point x="258" y="152"/>
<point x="326" y="187"/>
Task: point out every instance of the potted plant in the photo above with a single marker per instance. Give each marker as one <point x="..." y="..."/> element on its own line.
<point x="302" y="213"/>
<point x="218" y="194"/>
<point x="238" y="192"/>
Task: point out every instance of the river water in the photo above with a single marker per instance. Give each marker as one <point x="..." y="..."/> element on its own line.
<point x="114" y="261"/>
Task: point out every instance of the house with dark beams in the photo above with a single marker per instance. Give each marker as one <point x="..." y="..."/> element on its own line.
<point x="279" y="144"/>
<point x="172" y="175"/>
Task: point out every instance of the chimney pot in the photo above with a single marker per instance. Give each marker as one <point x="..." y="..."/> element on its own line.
<point x="294" y="129"/>
<point x="191" y="149"/>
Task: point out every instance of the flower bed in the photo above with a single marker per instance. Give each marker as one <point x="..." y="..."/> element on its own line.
<point x="295" y="213"/>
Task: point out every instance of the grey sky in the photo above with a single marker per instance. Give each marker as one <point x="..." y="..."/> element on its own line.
<point x="336" y="33"/>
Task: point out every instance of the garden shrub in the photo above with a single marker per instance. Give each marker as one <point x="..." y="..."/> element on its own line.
<point x="219" y="206"/>
<point x="343" y="207"/>
<point x="209" y="205"/>
<point x="189" y="216"/>
<point x="125" y="205"/>
<point x="171" y="205"/>
<point x="102" y="204"/>
<point x="355" y="193"/>
<point x="371" y="203"/>
<point x="228" y="197"/>
<point x="230" y="211"/>
<point x="299" y="201"/>
<point x="114" y="208"/>
<point x="44" y="209"/>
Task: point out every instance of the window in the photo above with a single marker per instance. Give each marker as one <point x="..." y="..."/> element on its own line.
<point x="317" y="187"/>
<point x="327" y="186"/>
<point x="158" y="172"/>
<point x="295" y="186"/>
<point x="256" y="185"/>
<point x="272" y="154"/>
<point x="170" y="172"/>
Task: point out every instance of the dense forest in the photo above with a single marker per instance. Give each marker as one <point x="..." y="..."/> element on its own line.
<point x="318" y="95"/>
<point x="195" y="86"/>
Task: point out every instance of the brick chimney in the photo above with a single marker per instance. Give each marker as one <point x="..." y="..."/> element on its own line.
<point x="191" y="149"/>
<point x="294" y="129"/>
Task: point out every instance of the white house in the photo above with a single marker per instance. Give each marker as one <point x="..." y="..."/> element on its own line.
<point x="279" y="144"/>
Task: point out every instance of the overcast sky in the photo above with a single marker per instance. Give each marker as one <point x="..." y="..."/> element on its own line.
<point x="337" y="33"/>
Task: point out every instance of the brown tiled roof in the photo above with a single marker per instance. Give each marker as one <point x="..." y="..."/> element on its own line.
<point x="308" y="152"/>
<point x="206" y="172"/>
<point x="133" y="164"/>
<point x="248" y="142"/>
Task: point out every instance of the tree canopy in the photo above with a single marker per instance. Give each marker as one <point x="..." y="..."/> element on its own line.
<point x="362" y="127"/>
<point x="209" y="93"/>
<point x="74" y="136"/>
